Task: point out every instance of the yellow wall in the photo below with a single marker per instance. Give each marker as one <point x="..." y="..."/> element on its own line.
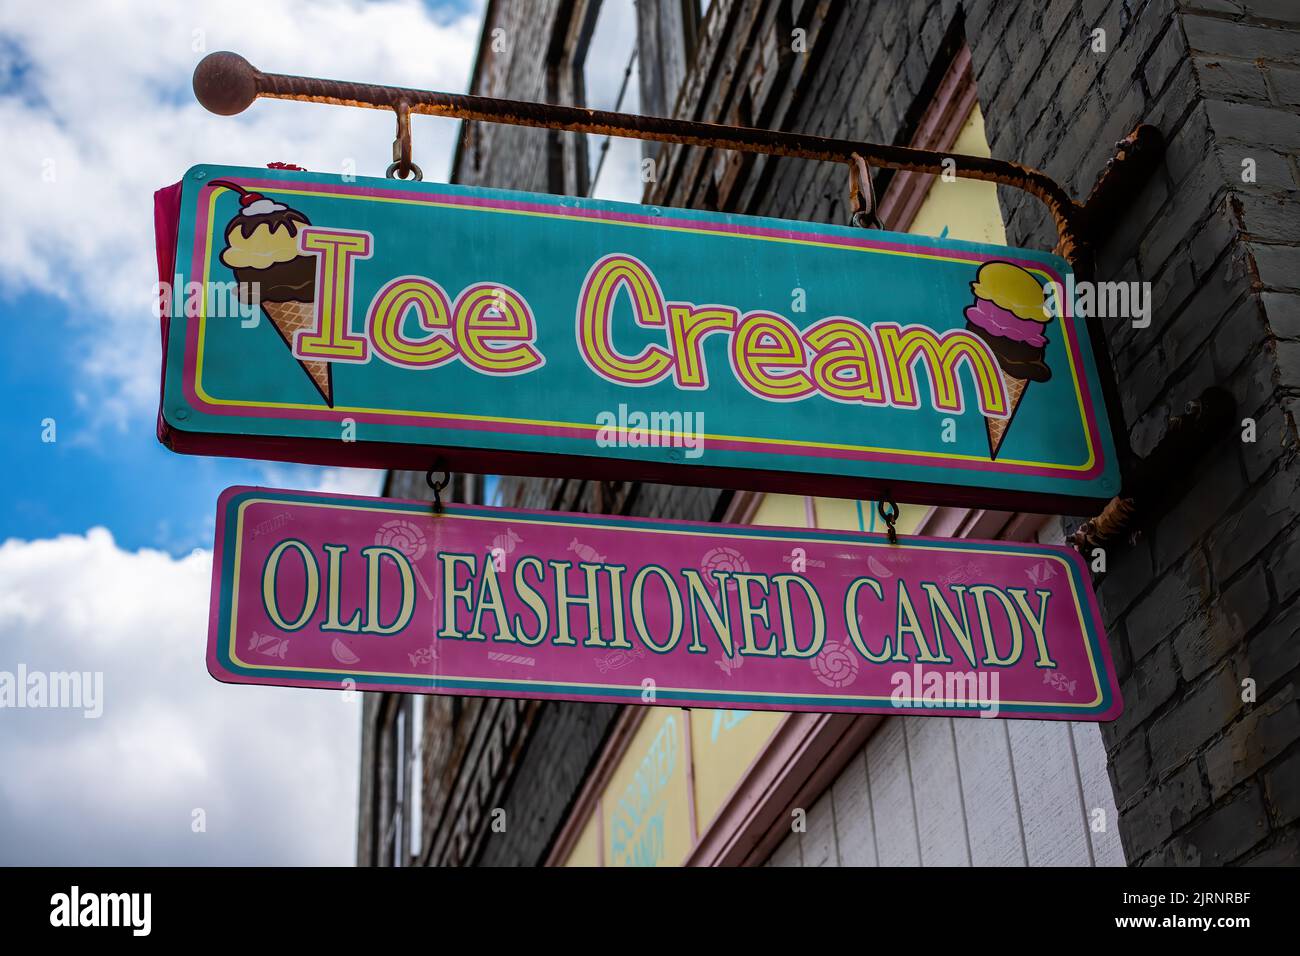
<point x="964" y="208"/>
<point x="586" y="851"/>
<point x="837" y="514"/>
<point x="647" y="816"/>
<point x="724" y="743"/>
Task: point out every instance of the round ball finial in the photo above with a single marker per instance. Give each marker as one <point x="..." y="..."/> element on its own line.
<point x="225" y="83"/>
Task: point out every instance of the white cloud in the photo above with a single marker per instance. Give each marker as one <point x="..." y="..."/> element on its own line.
<point x="274" y="769"/>
<point x="98" y="113"/>
<point x="343" y="481"/>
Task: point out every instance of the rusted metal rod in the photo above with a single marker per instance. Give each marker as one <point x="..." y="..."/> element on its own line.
<point x="226" y="84"/>
<point x="1188" y="438"/>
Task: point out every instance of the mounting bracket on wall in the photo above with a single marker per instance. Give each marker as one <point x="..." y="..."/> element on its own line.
<point x="1189" y="436"/>
<point x="226" y="84"/>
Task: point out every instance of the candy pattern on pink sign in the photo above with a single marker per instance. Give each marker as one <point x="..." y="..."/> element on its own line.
<point x="319" y="590"/>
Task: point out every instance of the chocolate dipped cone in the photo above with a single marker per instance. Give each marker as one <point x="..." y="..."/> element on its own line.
<point x="262" y="251"/>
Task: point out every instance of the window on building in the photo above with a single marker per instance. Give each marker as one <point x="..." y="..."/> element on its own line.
<point x="608" y="78"/>
<point x="628" y="57"/>
<point x="416" y="786"/>
<point x="400" y="780"/>
<point x="964" y="208"/>
<point x="395" y="837"/>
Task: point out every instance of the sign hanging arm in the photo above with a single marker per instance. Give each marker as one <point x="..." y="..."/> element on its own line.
<point x="225" y="83"/>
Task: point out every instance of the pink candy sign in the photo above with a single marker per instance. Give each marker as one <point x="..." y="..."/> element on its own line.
<point x="317" y="590"/>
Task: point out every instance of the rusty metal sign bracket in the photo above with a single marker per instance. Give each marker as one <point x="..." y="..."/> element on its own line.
<point x="864" y="210"/>
<point x="1149" y="482"/>
<point x="225" y="83"/>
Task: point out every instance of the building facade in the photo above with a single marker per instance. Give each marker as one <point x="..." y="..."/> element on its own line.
<point x="1199" y="593"/>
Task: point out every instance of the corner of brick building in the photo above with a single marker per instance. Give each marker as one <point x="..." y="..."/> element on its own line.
<point x="1203" y="604"/>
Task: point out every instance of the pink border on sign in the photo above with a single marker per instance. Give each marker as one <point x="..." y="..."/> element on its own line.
<point x="480" y="425"/>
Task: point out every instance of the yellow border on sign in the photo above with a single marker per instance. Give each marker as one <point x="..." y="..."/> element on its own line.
<point x="239" y="543"/>
<point x="832" y="446"/>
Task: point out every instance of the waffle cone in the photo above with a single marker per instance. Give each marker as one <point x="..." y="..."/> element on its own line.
<point x="997" y="427"/>
<point x="288" y="318"/>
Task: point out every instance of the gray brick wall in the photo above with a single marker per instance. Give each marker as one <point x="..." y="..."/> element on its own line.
<point x="513" y="61"/>
<point x="562" y="747"/>
<point x="1206" y="597"/>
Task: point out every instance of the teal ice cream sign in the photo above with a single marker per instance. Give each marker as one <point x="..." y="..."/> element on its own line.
<point x="395" y="324"/>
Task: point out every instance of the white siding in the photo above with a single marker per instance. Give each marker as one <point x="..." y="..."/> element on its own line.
<point x="1051" y="808"/>
<point x="937" y="791"/>
<point x="890" y="780"/>
<point x="854" y="829"/>
<point x="1090" y="758"/>
<point x="818" y="843"/>
<point x="989" y="793"/>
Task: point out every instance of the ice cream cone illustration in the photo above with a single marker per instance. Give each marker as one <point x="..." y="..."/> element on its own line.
<point x="262" y="251"/>
<point x="1009" y="316"/>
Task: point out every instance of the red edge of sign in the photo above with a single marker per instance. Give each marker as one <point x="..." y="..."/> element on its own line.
<point x="398" y="456"/>
<point x="166" y="231"/>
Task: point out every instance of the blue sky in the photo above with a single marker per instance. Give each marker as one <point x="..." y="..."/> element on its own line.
<point x="125" y="481"/>
<point x="106" y="536"/>
<point x="105" y="466"/>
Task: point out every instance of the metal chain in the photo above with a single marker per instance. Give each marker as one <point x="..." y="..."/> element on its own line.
<point x="437" y="487"/>
<point x="862" y="195"/>
<point x="889" y="517"/>
<point x="402" y="147"/>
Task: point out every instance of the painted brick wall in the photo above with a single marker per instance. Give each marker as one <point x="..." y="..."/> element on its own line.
<point x="512" y="62"/>
<point x="483" y="754"/>
<point x="562" y="746"/>
<point x="557" y="747"/>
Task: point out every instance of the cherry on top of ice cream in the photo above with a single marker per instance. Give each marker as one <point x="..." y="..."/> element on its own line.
<point x="263" y="233"/>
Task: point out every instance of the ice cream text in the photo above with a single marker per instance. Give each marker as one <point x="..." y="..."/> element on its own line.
<point x="491" y="328"/>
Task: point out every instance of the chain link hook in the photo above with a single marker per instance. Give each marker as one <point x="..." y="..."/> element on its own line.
<point x="862" y="195"/>
<point x="402" y="167"/>
<point x="437" y="486"/>
<point x="890" y="517"/>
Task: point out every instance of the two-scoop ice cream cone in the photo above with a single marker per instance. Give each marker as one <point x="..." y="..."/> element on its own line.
<point x="262" y="251"/>
<point x="1009" y="315"/>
